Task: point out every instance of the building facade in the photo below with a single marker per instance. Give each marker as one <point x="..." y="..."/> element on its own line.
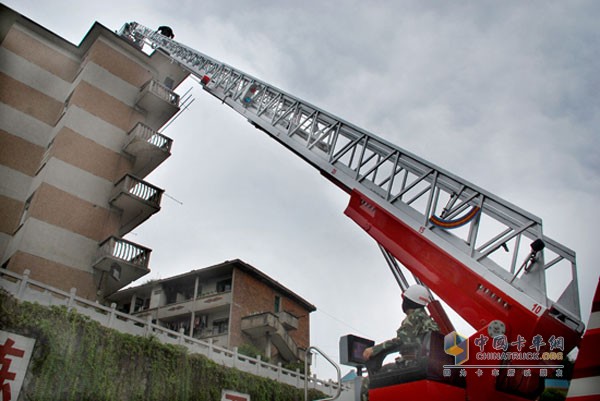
<point x="232" y="304"/>
<point x="78" y="135"/>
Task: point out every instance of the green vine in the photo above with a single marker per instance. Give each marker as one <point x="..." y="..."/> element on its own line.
<point x="75" y="358"/>
<point x="252" y="351"/>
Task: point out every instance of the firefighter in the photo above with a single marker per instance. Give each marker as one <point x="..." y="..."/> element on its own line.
<point x="408" y="338"/>
<point x="166" y="31"/>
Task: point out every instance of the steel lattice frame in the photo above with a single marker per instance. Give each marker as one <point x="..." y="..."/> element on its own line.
<point x="409" y="187"/>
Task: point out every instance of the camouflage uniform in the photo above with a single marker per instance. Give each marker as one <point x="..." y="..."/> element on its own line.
<point x="408" y="339"/>
<point x="409" y="335"/>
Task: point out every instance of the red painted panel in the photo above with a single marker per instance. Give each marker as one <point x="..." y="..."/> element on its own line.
<point x="418" y="391"/>
<point x="585" y="398"/>
<point x="454" y="282"/>
<point x="232" y="397"/>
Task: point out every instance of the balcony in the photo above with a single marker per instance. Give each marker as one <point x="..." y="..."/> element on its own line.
<point x="267" y="324"/>
<point x="137" y="199"/>
<point x="203" y="305"/>
<point x="148" y="147"/>
<point x="120" y="262"/>
<point x="160" y="103"/>
<point x="289" y="321"/>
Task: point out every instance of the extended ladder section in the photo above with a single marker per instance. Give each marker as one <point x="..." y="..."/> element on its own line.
<point x="497" y="249"/>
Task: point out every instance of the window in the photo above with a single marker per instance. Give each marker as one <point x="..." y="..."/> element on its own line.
<point x="139" y="304"/>
<point x="220" y="326"/>
<point x="169" y="83"/>
<point x="180" y="323"/>
<point x="188" y="292"/>
<point x="277" y="304"/>
<point x="171" y="295"/>
<point x="224" y="285"/>
<point x="200" y="322"/>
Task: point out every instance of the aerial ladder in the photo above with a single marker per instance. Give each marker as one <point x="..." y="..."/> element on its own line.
<point x="483" y="256"/>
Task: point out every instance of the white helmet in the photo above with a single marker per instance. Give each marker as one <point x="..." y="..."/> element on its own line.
<point x="418" y="294"/>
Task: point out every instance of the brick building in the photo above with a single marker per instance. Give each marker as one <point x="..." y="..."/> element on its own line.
<point x="78" y="134"/>
<point x="230" y="304"/>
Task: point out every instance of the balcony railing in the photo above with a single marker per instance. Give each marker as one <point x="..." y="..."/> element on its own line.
<point x="162" y="92"/>
<point x="209" y="332"/>
<point x="122" y="250"/>
<point x="148" y="147"/>
<point x="141" y="132"/>
<point x="289" y="321"/>
<point x="122" y="262"/>
<point x="200" y="305"/>
<point x="256" y="323"/>
<point x="137" y="199"/>
<point x="159" y="101"/>
<point x="139" y="189"/>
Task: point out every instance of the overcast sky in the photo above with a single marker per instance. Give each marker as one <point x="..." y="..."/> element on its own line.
<point x="504" y="94"/>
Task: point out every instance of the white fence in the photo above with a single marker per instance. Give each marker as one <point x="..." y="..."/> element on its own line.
<point x="25" y="289"/>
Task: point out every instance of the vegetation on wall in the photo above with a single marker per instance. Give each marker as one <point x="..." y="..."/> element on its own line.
<point x="253" y="352"/>
<point x="76" y="358"/>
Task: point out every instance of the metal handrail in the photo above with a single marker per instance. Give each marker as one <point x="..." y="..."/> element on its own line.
<point x="335" y="365"/>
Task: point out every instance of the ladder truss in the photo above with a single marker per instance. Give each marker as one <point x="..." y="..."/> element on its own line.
<point x="487" y="233"/>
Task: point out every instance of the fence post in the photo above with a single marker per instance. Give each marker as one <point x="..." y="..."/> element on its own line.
<point x="71" y="300"/>
<point x="210" y="348"/>
<point x="258" y="364"/>
<point x="48" y="296"/>
<point x="235" y="357"/>
<point x="181" y="336"/>
<point x="111" y="316"/>
<point x="23" y="284"/>
<point x="148" y="326"/>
